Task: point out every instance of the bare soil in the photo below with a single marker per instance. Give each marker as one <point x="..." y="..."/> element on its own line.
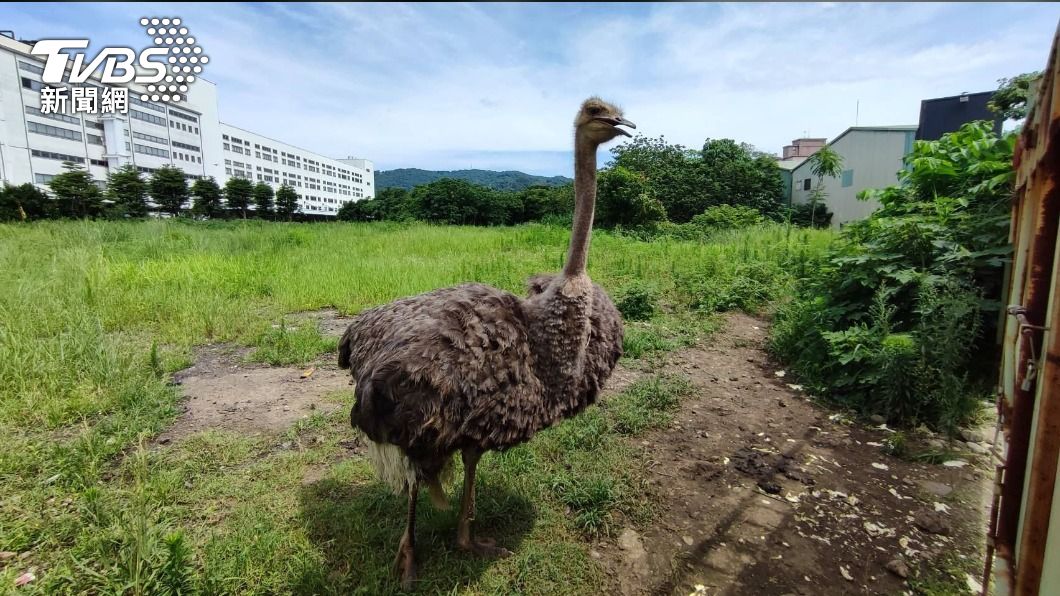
<point x="757" y="489"/>
<point x="763" y="492"/>
<point x="223" y="390"/>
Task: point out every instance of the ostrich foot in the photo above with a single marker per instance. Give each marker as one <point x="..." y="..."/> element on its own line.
<point x="405" y="565"/>
<point x="484" y="547"/>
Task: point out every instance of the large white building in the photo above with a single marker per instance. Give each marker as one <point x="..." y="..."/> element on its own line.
<point x="188" y="135"/>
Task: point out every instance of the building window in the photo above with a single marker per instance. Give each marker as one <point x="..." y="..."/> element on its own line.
<point x="98" y="162"/>
<point x="42" y="178"/>
<point x="57" y="156"/>
<point x="182" y="115"/>
<point x="26" y="66"/>
<point x="848" y="178"/>
<point x="806" y="184"/>
<point x="148" y="150"/>
<point x="152" y="138"/>
<point x="60" y="117"/>
<point x="151" y="106"/>
<point x="30" y="84"/>
<point x="95" y="139"/>
<point x="53" y="131"/>
<point x="147" y="117"/>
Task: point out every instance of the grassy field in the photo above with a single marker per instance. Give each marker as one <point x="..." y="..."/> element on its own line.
<point x="95" y="316"/>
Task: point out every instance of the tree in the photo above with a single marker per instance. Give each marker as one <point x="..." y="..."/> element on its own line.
<point x="1010" y="100"/>
<point x="456" y="202"/>
<point x="677" y="176"/>
<point x="392" y="204"/>
<point x="25" y="202"/>
<point x="687" y="182"/>
<point x="206" y="198"/>
<point x="825" y="162"/>
<point x="624" y="199"/>
<point x="351" y="211"/>
<point x="287" y="202"/>
<point x="128" y="191"/>
<point x="540" y="202"/>
<point x="76" y="193"/>
<point x="238" y="192"/>
<point x="263" y="196"/>
<point x="169" y="189"/>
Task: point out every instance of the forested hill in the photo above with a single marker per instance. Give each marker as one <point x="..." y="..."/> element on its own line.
<point x="408" y="178"/>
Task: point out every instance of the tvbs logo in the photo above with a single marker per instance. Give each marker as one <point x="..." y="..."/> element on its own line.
<point x="165" y="69"/>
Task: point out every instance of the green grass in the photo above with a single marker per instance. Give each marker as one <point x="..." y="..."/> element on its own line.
<point x="94" y="316"/>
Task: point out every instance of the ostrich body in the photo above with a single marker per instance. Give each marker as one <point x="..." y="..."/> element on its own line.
<point x="472" y="368"/>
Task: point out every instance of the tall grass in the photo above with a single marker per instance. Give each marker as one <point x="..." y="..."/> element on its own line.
<point x="94" y="315"/>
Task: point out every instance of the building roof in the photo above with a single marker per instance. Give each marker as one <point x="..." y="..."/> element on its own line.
<point x="894" y="128"/>
<point x="790" y="164"/>
<point x="902" y="128"/>
<point x="976" y="94"/>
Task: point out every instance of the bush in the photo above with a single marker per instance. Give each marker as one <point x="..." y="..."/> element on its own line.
<point x="725" y="217"/>
<point x="637" y="302"/>
<point x="907" y="300"/>
<point x="804" y="215"/>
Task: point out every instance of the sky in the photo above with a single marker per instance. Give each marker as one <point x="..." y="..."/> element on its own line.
<point x="496" y="86"/>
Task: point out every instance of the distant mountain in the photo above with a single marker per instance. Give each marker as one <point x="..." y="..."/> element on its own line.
<point x="510" y="180"/>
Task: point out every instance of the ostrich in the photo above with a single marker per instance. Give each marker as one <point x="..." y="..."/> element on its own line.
<point x="472" y="368"/>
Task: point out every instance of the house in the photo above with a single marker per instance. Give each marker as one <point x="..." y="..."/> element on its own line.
<point x="872" y="157"/>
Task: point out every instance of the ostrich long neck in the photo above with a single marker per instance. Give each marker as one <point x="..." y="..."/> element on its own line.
<point x="584" y="202"/>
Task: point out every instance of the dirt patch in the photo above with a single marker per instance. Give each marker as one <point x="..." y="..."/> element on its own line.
<point x="223" y="391"/>
<point x="329" y="321"/>
<point x="762" y="492"/>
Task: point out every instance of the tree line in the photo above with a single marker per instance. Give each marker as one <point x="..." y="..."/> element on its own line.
<point x="648" y="183"/>
<point x="75" y="194"/>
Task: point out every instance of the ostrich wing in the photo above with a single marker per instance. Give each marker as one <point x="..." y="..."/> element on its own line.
<point x="444" y="370"/>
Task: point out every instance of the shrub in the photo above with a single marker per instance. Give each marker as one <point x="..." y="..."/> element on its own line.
<point x="724" y="217"/>
<point x="906" y="301"/>
<point x="636" y="302"/>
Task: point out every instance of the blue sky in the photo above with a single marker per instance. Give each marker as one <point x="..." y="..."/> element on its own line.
<point x="449" y="86"/>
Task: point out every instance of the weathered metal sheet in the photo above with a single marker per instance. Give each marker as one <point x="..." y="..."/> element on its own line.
<point x="1030" y="375"/>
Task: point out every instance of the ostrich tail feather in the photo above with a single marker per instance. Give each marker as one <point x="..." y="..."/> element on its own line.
<point x="396" y="471"/>
<point x="392" y="466"/>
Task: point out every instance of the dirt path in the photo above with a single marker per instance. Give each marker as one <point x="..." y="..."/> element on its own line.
<point x="761" y="492"/>
<point x="758" y="490"/>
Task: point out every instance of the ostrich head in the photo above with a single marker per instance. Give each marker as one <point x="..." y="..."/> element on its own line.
<point x="599" y="121"/>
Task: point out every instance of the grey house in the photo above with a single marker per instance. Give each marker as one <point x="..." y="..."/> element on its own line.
<point x="872" y="157"/>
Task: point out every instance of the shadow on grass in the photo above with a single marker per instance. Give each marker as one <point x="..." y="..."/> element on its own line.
<point x="356" y="528"/>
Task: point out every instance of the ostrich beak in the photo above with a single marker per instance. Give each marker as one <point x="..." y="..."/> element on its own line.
<point x="617" y="121"/>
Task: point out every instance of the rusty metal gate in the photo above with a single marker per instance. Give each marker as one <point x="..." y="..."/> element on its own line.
<point x="1024" y="541"/>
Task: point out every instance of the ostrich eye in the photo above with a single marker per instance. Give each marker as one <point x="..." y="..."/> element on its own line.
<point x="595" y="110"/>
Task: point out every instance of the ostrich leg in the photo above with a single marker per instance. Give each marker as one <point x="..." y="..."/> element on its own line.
<point x="405" y="562"/>
<point x="486" y="547"/>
